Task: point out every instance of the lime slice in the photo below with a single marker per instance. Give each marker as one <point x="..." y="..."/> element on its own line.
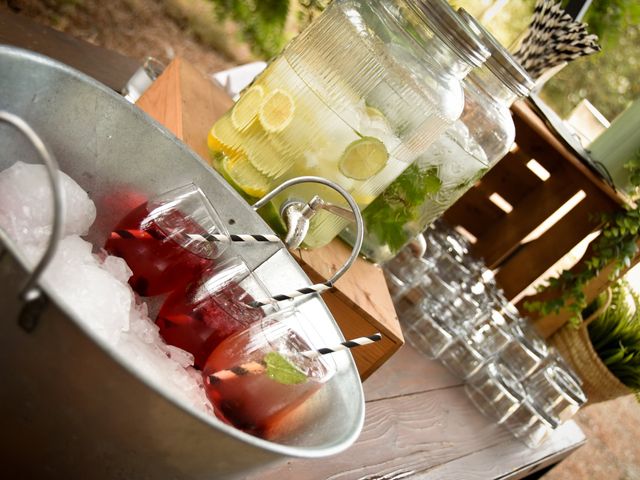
<point x="282" y="370"/>
<point x="363" y="158"/>
<point x="246" y="109"/>
<point x="276" y="111"/>
<point x="245" y="176"/>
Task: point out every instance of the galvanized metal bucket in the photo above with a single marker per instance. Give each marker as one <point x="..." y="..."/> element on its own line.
<point x="69" y="408"/>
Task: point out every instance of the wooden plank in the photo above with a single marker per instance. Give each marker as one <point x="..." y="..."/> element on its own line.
<point x="106" y="66"/>
<point x="474" y="212"/>
<point x="534" y="143"/>
<point x="507" y="233"/>
<point x="523" y="112"/>
<point x="514" y="462"/>
<point x="534" y="258"/>
<point x="510" y="178"/>
<point x="187" y="103"/>
<point x="408" y="372"/>
<point x="402" y="437"/>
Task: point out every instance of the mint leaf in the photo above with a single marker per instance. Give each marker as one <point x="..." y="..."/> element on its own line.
<point x="400" y="204"/>
<point x="282" y="371"/>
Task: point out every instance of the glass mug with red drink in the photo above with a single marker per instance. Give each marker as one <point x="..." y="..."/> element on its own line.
<point x="163" y="240"/>
<point x="256" y="378"/>
<point x="200" y="315"/>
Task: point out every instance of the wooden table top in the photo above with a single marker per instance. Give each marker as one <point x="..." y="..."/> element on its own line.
<point x="419" y="422"/>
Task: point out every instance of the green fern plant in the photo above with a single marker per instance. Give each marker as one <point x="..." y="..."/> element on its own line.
<point x="615" y="335"/>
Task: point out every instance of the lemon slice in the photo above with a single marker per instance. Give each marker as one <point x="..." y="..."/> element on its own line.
<point x="246" y="109"/>
<point x="245" y="176"/>
<point x="276" y="111"/>
<point x="373" y="112"/>
<point x="363" y="158"/>
<point x="223" y="138"/>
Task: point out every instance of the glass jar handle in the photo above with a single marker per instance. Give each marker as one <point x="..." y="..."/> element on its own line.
<point x="31" y="291"/>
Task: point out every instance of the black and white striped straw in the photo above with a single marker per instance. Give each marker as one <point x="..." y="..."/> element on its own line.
<point x="317" y="288"/>
<point x="255" y="368"/>
<point x="205" y="237"/>
<point x="236" y="238"/>
<point x="356" y="342"/>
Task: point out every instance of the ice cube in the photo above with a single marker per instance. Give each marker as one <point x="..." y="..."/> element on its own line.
<point x="97" y="299"/>
<point x="26" y="206"/>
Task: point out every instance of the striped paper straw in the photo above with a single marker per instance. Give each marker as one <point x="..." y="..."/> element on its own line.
<point x="254" y="368"/>
<point x="317" y="288"/>
<point x="356" y="342"/>
<point x="207" y="237"/>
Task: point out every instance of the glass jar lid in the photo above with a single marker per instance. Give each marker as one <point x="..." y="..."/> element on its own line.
<point x="501" y="63"/>
<point x="441" y="18"/>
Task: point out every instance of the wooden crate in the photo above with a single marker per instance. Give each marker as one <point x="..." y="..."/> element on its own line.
<point x="188" y="104"/>
<point x="500" y="235"/>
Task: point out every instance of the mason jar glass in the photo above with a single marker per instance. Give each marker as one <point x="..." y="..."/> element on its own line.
<point x="355" y="98"/>
<point x="455" y="161"/>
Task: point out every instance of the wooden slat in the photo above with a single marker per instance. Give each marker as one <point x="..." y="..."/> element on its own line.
<point x="408" y="372"/>
<point x="474" y="212"/>
<point x="403" y="436"/>
<point x="539" y="130"/>
<point x="531" y="144"/>
<point x="514" y="462"/>
<point x="433" y="435"/>
<point x="534" y="258"/>
<point x="511" y="178"/>
<point x="507" y="234"/>
<point x="106" y="66"/>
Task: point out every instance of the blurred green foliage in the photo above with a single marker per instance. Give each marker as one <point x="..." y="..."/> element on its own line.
<point x="607" y="79"/>
<point x="261" y="22"/>
<point x="265" y="24"/>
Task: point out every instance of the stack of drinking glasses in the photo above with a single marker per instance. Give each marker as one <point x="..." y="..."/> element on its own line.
<point x="452" y="310"/>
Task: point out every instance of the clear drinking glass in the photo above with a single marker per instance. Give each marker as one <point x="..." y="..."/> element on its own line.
<point x="355" y="98"/>
<point x="489" y="335"/>
<point x="524" y="355"/>
<point x="495" y="391"/>
<point x="163" y="240"/>
<point x="555" y="392"/>
<point x="530" y="424"/>
<point x="199" y="316"/>
<point x="425" y="333"/>
<point x="258" y="377"/>
<point x="462" y="358"/>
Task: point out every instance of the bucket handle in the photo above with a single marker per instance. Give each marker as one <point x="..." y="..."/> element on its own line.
<point x="31" y="291"/>
<point x="315" y="204"/>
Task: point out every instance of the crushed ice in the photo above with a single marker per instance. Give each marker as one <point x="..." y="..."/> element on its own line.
<point x="94" y="287"/>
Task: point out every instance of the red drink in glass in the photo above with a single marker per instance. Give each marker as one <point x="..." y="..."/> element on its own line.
<point x="154" y="254"/>
<point x="243" y="391"/>
<point x="198" y="318"/>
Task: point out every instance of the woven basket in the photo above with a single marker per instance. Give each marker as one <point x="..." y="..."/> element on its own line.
<point x="575" y="346"/>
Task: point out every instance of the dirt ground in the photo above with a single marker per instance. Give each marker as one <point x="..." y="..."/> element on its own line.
<point x="139" y="28"/>
<point x="135" y="28"/>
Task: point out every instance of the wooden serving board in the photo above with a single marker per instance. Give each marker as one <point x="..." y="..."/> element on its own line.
<point x="188" y="104"/>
